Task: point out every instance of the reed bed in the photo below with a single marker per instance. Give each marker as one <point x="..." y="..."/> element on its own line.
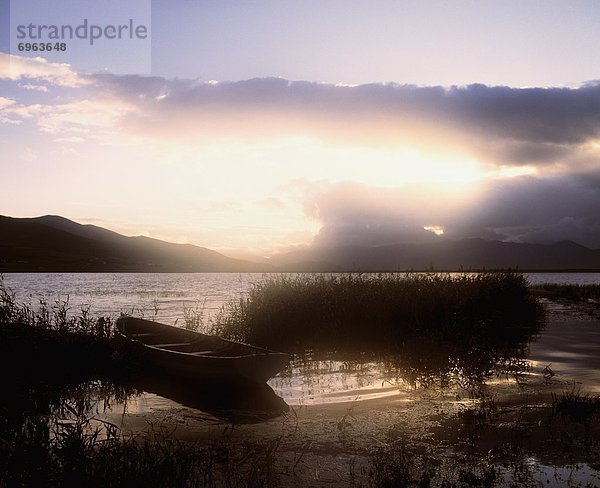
<point x="381" y="312"/>
<point x="54" y="316"/>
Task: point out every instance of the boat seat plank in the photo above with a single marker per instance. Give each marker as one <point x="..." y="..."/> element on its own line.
<point x="173" y="344"/>
<point x="204" y="353"/>
<point x="144" y="334"/>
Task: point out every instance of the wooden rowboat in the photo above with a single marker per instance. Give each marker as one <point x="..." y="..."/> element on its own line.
<point x="187" y="354"/>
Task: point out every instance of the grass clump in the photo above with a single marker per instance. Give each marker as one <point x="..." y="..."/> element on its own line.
<point x="576" y="405"/>
<point x="381" y="312"/>
<point x="398" y="464"/>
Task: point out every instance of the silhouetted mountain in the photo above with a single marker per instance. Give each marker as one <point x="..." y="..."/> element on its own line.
<point x="53" y="243"/>
<point x="443" y="254"/>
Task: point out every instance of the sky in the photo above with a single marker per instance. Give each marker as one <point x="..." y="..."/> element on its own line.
<point x="258" y="127"/>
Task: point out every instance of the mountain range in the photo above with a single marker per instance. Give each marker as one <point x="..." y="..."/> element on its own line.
<point x="53" y="243"/>
<point x="444" y="254"/>
<point x="56" y="244"/>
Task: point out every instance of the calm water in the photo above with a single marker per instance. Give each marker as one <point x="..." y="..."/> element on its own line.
<point x="165" y="297"/>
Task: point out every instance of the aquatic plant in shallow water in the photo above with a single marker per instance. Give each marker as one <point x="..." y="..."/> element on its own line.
<point x="56" y="316"/>
<point x="427" y="329"/>
<point x="379" y="312"/>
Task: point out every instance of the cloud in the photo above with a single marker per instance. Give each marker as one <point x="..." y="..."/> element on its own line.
<point x="69" y="140"/>
<point x="554" y="130"/>
<point x="69" y="119"/>
<point x="6" y="111"/>
<point x="80" y="116"/>
<point x="75" y="111"/>
<point x="17" y="68"/>
<point x="272" y="204"/>
<point x="581" y="230"/>
<point x="29" y="86"/>
<point x="6" y="102"/>
<point x="521" y="209"/>
<point x="535" y="209"/>
<point x="28" y="155"/>
<point x="354" y="214"/>
<point x="499" y="125"/>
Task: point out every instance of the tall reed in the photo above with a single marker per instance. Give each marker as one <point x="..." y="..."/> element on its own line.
<point x="365" y="311"/>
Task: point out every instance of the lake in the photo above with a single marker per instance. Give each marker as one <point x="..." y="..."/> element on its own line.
<point x="165" y="296"/>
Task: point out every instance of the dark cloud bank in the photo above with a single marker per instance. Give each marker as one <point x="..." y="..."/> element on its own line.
<point x="506" y="126"/>
<point x="553" y="129"/>
<point x="522" y="209"/>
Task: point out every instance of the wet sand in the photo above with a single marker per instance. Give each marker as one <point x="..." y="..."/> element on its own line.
<point x="330" y="443"/>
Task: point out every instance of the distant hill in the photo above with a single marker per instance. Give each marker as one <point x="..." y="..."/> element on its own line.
<point x="444" y="254"/>
<point x="53" y="243"/>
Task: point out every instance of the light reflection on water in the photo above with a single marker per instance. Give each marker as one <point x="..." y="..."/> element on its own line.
<point x="313" y="382"/>
<point x="329" y="381"/>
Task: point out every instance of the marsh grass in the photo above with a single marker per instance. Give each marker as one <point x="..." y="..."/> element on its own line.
<point x="52" y="453"/>
<point x="497" y="444"/>
<point x="55" y="317"/>
<point x="49" y="341"/>
<point x="576" y="406"/>
<point x="472" y="321"/>
<point x="366" y="312"/>
<point x="398" y="463"/>
<point x="194" y="317"/>
<point x="562" y="433"/>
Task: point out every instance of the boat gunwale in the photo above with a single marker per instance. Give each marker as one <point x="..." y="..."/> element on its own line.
<point x="261" y="351"/>
<point x="207" y="356"/>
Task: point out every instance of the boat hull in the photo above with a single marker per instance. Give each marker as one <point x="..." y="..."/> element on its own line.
<point x="203" y="358"/>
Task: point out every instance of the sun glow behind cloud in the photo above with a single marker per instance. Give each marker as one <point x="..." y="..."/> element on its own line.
<point x="436" y="229"/>
<point x="396" y="167"/>
<point x="268" y="163"/>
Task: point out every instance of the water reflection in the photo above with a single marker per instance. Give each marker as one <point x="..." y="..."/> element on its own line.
<point x="41" y="418"/>
<point x="38" y="413"/>
<point x="314" y="377"/>
<point x="230" y="403"/>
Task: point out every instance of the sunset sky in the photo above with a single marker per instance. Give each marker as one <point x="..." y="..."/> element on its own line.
<point x="266" y="125"/>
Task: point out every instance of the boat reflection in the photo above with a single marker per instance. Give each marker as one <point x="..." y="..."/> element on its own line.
<point x="240" y="404"/>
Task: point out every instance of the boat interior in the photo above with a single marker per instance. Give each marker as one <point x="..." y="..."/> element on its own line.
<point x="202" y="346"/>
<point x="181" y="340"/>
